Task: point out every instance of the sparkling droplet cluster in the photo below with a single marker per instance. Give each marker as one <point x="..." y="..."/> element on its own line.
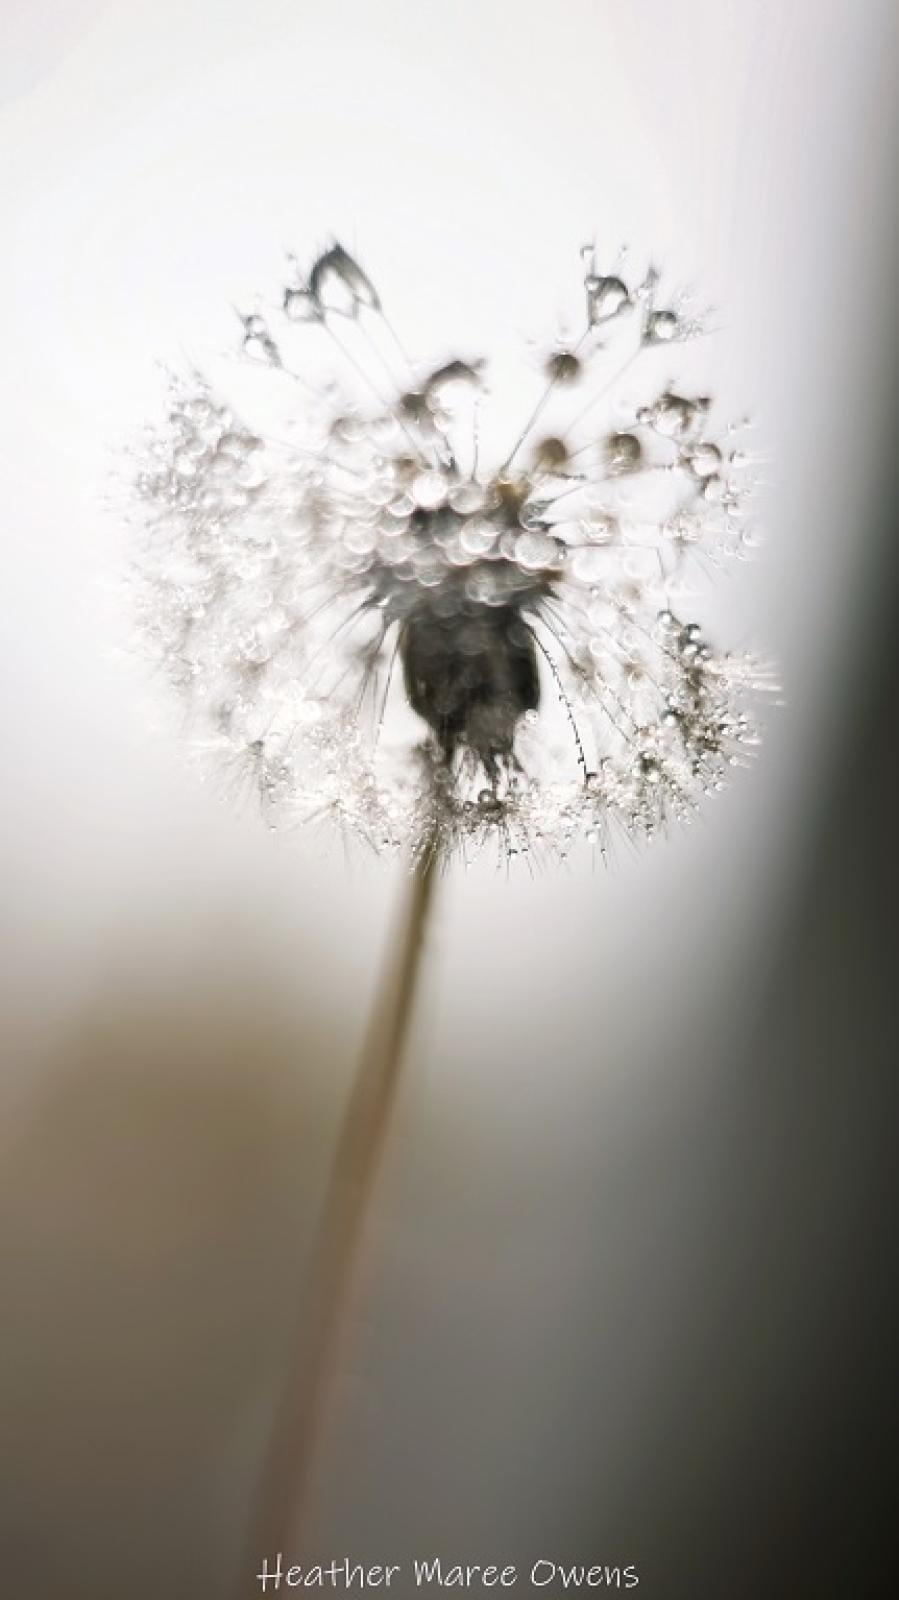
<point x="371" y="623"/>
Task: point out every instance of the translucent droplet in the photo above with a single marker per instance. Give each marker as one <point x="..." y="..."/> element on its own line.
<point x="337" y="283"/>
<point x="534" y="551"/>
<point x="606" y="297"/>
<point x="478" y="537"/>
<point x="299" y="306"/>
<point x="550" y="454"/>
<point x="563" y="366"/>
<point x="674" y="416"/>
<point x="623" y="452"/>
<point x="661" y="327"/>
<point x="429" y="490"/>
<point x="261" y="347"/>
<point x="466" y="497"/>
<point x="590" y="565"/>
<point x="704" y="459"/>
<point x="601" y="529"/>
<point x="448" y="380"/>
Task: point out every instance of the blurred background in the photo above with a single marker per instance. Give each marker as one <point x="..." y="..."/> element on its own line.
<point x="627" y="1286"/>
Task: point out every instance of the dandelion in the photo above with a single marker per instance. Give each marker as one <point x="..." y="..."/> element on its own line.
<point x="389" y="630"/>
<point x="377" y="622"/>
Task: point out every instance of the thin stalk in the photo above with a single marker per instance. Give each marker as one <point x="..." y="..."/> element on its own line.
<point x="282" y="1514"/>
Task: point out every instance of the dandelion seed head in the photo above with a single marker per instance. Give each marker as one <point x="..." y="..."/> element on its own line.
<point x="371" y="624"/>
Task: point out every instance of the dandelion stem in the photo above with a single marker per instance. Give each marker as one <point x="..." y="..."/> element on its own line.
<point x="282" y="1516"/>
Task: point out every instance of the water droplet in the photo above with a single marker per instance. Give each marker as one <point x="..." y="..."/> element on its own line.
<point x="478" y="537"/>
<point x="661" y="327"/>
<point x="601" y="529"/>
<point x="590" y="565"/>
<point x="535" y="551"/>
<point x="429" y="489"/>
<point x="445" y="386"/>
<point x="551" y="453"/>
<point x="623" y="452"/>
<point x="674" y="416"/>
<point x="299" y="306"/>
<point x="704" y="459"/>
<point x="606" y="297"/>
<point x="563" y="366"/>
<point x="466" y="497"/>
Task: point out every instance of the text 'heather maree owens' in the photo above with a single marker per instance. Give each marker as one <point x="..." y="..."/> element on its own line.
<point x="431" y="1572"/>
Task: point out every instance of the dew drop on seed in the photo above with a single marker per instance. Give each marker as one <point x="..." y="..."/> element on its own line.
<point x="563" y="367"/>
<point x="478" y="537"/>
<point x="606" y="297"/>
<point x="673" y="415"/>
<point x="466" y="497"/>
<point x="428" y="490"/>
<point x="535" y="550"/>
<point x="299" y="306"/>
<point x="661" y="327"/>
<point x="601" y="530"/>
<point x="704" y="460"/>
<point x="623" y="452"/>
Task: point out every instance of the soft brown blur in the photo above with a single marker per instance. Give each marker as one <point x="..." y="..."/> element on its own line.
<point x="156" y="1200"/>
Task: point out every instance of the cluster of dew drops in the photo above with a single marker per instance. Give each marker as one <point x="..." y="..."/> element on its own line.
<point x="279" y="560"/>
